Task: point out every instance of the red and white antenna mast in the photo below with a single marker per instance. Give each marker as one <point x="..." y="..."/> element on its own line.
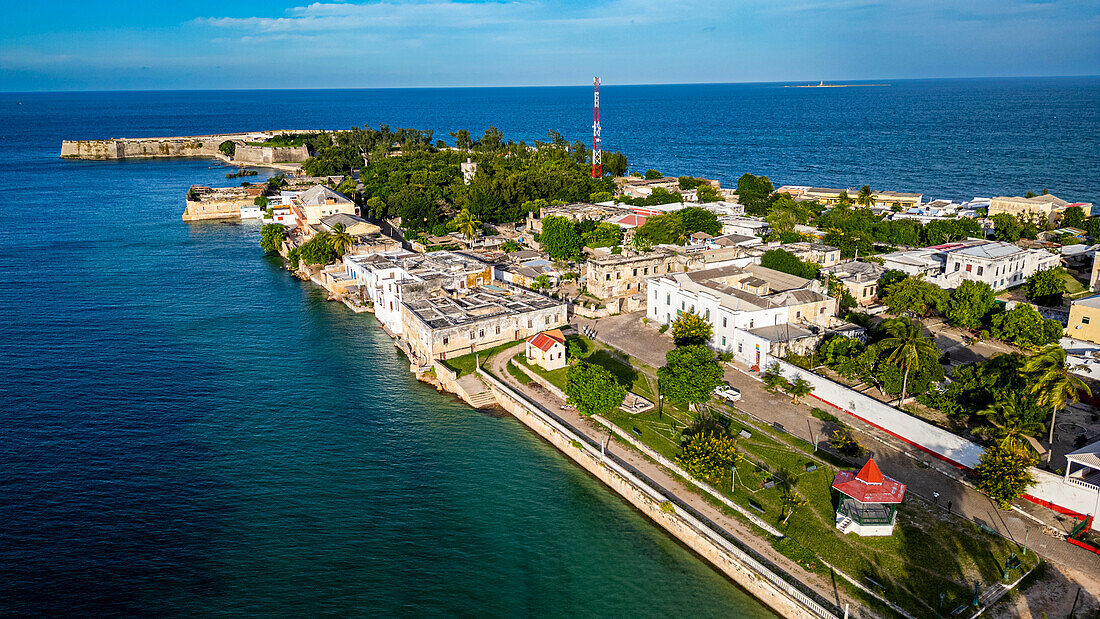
<point x="597" y="153"/>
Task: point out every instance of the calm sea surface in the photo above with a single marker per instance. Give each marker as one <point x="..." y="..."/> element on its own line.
<point x="187" y="430"/>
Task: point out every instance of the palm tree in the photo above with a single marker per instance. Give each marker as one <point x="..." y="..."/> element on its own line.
<point x="467" y="225"/>
<point x="842" y="199"/>
<point x="865" y="197"/>
<point x="1010" y="416"/>
<point x="341" y="240"/>
<point x="1052" y="383"/>
<point x="906" y="345"/>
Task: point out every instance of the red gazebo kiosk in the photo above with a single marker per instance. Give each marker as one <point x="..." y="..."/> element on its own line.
<point x="868" y="501"/>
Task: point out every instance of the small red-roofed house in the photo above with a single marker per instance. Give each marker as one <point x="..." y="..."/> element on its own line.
<point x="868" y="501"/>
<point x="547" y="349"/>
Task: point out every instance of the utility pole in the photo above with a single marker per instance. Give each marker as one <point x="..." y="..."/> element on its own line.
<point x="597" y="152"/>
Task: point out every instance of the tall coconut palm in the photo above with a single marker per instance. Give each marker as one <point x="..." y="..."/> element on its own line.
<point x="1052" y="383"/>
<point x="1013" y="423"/>
<point x="341" y="240"/>
<point x="865" y="197"/>
<point x="468" y="225"/>
<point x="907" y="345"/>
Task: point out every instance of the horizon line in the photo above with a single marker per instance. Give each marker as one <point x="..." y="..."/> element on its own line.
<point x="780" y="82"/>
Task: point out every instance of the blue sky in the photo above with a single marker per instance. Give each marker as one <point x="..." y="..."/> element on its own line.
<point x="125" y="44"/>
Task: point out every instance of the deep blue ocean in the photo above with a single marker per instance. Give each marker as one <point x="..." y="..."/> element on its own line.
<point x="186" y="430"/>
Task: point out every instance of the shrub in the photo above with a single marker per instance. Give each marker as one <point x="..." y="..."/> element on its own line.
<point x="846" y="444"/>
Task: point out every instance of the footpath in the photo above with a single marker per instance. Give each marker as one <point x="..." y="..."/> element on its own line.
<point x="669" y="484"/>
<point x="922" y="473"/>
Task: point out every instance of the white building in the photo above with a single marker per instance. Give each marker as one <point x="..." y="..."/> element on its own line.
<point x="731" y="209"/>
<point x="743" y="226"/>
<point x="999" y="264"/>
<point x="754" y="311"/>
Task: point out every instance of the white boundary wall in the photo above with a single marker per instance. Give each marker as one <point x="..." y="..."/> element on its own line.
<point x="1050" y="490"/>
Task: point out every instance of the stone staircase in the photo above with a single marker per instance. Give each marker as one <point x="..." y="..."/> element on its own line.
<point x="845" y="524"/>
<point x="475" y="392"/>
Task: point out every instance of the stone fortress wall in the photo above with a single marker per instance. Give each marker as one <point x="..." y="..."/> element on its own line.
<point x="189" y="146"/>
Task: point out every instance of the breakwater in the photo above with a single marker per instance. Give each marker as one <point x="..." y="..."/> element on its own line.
<point x="249" y="148"/>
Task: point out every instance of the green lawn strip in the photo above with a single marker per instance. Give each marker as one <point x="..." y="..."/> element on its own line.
<point x="1073" y="285"/>
<point x="465" y="364"/>
<point x="518" y="374"/>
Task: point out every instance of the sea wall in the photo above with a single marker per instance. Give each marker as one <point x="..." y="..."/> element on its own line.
<point x="141" y="149"/>
<point x="743" y="569"/>
<point x="270" y="154"/>
<point x="223" y="209"/>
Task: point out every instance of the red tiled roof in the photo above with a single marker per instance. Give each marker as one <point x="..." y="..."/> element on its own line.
<point x="630" y="219"/>
<point x="545" y="341"/>
<point x="869" y="485"/>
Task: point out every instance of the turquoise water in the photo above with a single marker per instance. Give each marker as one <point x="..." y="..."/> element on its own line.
<point x="189" y="431"/>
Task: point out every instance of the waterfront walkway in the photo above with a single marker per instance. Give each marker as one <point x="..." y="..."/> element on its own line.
<point x="921" y="473"/>
<point x="666" y="482"/>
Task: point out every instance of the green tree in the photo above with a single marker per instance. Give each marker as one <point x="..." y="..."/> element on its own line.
<point x="468" y="225"/>
<point x="842" y="199"/>
<point x="228" y="148"/>
<point x="1053" y="384"/>
<point x="376" y="207"/>
<point x="492" y="139"/>
<point x="341" y="240"/>
<point x="560" y="239"/>
<point x="913" y="294"/>
<point x="846" y="445"/>
<point x="593" y="389"/>
<point x="272" y="237"/>
<point x="601" y="196"/>
<point x="690" y="329"/>
<point x="416" y="206"/>
<point x="1012" y="417"/>
<point x="865" y="197"/>
<point x="799" y="388"/>
<point x="604" y="234"/>
<point x="690" y="375"/>
<point x="906" y="345"/>
<point x="1025" y="327"/>
<point x="709" y="454"/>
<point x="754" y="192"/>
<point x="1004" y="475"/>
<point x="614" y="163"/>
<point x="542" y="282"/>
<point x="1006" y="227"/>
<point x="969" y="304"/>
<point x="462" y="139"/>
<point x="705" y="193"/>
<point x="1073" y="217"/>
<point x="785" y="261"/>
<point x="260" y="201"/>
<point x="696" y="219"/>
<point x="318" y="250"/>
<point x="1046" y="287"/>
<point x="652" y="174"/>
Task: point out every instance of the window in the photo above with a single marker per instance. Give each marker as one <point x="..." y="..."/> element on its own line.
<point x="723" y="340"/>
<point x="751" y="323"/>
<point x="635" y="272"/>
<point x="481" y="333"/>
<point x="618" y="274"/>
<point x="708" y="315"/>
<point x="668" y="299"/>
<point x="957" y="265"/>
<point x="547" y="320"/>
<point x="608" y="278"/>
<point x="821" y="311"/>
<point x="498" y="329"/>
<point x="723" y="321"/>
<point x="645" y="271"/>
<point x="740" y="347"/>
<point x="968" y="268"/>
<point x="980" y="269"/>
<point x="529" y="325"/>
<point x="1084" y="320"/>
<point x="798" y="315"/>
<point x="445" y="341"/>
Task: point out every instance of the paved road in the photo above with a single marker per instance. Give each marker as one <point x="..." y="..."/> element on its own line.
<point x="921" y="473"/>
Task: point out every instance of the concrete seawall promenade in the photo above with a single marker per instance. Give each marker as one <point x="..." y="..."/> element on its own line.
<point x="763" y="581"/>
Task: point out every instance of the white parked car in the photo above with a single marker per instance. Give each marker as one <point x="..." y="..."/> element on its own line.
<point x="727" y="393"/>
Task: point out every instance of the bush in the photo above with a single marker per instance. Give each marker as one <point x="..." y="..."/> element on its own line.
<point x="846" y="444"/>
<point x="272" y="237"/>
<point x="652" y="175"/>
<point x="228" y="148"/>
<point x="662" y="328"/>
<point x="1004" y="474"/>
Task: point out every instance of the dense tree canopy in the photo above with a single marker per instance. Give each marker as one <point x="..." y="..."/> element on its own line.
<point x="1046" y="287"/>
<point x="593" y="389"/>
<point x="1004" y="475"/>
<point x="560" y="239"/>
<point x="913" y="294"/>
<point x="785" y="261"/>
<point x="674" y="228"/>
<point x="1025" y="327"/>
<point x="690" y="374"/>
<point x="690" y="329"/>
<point x="970" y="302"/>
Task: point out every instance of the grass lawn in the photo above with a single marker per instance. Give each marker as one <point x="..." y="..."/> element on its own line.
<point x="930" y="551"/>
<point x="1073" y="285"/>
<point x="465" y="364"/>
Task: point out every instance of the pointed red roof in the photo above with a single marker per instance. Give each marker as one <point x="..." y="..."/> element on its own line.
<point x="870" y="474"/>
<point x="869" y="485"/>
<point x="545" y="341"/>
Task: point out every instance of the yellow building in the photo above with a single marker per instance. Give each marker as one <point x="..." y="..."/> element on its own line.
<point x="1046" y="206"/>
<point x="1084" y="319"/>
